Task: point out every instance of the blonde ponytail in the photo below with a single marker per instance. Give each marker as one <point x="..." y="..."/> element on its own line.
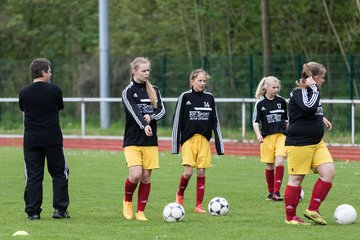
<point x="264" y="84"/>
<point x="152" y="94"/>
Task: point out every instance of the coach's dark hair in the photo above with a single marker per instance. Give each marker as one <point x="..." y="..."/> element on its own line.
<point x="38" y="66"/>
<point x="310" y="69"/>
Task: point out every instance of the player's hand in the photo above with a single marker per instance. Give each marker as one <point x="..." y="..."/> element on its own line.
<point x="260" y="139"/>
<point x="327" y="124"/>
<point x="147" y="118"/>
<point x="148" y="131"/>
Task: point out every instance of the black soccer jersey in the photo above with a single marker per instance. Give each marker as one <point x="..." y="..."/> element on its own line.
<point x="137" y="104"/>
<point x="41" y="103"/>
<point x="195" y="112"/>
<point x="272" y="114"/>
<point x="305" y="117"/>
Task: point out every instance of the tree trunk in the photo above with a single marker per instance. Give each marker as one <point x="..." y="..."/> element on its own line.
<point x="200" y="29"/>
<point x="229" y="47"/>
<point x="339" y="43"/>
<point x="266" y="36"/>
<point x="183" y="26"/>
<point x="328" y="62"/>
<point x="318" y="30"/>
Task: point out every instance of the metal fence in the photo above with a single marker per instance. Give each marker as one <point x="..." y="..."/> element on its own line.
<point x="236" y="77"/>
<point x="343" y="112"/>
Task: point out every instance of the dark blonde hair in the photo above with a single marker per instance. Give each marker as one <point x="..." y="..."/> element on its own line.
<point x="134" y="65"/>
<point x="310" y="69"/>
<point x="38" y="66"/>
<point x="196" y="72"/>
<point x="264" y="84"/>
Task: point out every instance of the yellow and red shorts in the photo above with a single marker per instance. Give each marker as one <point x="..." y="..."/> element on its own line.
<point x="145" y="156"/>
<point x="272" y="146"/>
<point x="196" y="152"/>
<point x="302" y="159"/>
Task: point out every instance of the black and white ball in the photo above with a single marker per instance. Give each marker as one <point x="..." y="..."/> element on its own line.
<point x="173" y="212"/>
<point x="345" y="214"/>
<point x="218" y="206"/>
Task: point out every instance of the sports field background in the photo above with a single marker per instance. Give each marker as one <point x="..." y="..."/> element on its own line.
<point x="96" y="191"/>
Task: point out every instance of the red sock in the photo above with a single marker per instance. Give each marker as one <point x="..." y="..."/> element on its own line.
<point x="129" y="190"/>
<point x="182" y="185"/>
<point x="291" y="198"/>
<point x="143" y="196"/>
<point x="200" y="190"/>
<point x="269" y="174"/>
<point x="279" y="173"/>
<point x="320" y="191"/>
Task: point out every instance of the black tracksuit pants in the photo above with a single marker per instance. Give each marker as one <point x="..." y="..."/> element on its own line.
<point x="34" y="175"/>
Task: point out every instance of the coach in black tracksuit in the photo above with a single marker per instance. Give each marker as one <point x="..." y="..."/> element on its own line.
<point x="41" y="103"/>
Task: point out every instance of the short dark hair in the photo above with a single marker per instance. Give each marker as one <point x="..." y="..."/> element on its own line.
<point x="38" y="66"/>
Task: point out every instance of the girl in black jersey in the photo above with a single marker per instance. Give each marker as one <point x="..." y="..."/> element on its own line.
<point x="305" y="147"/>
<point x="143" y="108"/>
<point x="270" y="111"/>
<point x="194" y="120"/>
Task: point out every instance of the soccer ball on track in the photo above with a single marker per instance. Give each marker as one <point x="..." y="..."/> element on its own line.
<point x="218" y="206"/>
<point x="173" y="212"/>
<point x="345" y="214"/>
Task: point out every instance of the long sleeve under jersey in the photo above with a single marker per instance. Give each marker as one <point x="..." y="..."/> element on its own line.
<point x="137" y="104"/>
<point x="272" y="114"/>
<point x="195" y="112"/>
<point x="305" y="117"/>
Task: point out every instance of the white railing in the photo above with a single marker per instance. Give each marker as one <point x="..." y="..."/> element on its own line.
<point x="243" y="102"/>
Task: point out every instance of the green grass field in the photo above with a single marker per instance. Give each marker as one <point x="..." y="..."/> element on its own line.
<point x="96" y="192"/>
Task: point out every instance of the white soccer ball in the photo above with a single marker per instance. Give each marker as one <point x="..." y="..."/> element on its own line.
<point x="218" y="206"/>
<point x="173" y="212"/>
<point x="345" y="214"/>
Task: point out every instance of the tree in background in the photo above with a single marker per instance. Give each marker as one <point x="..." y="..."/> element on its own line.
<point x="224" y="31"/>
<point x="266" y="36"/>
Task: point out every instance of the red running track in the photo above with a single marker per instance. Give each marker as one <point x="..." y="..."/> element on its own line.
<point x="346" y="153"/>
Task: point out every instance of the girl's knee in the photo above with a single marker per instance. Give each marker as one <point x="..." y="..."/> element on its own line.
<point x="187" y="174"/>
